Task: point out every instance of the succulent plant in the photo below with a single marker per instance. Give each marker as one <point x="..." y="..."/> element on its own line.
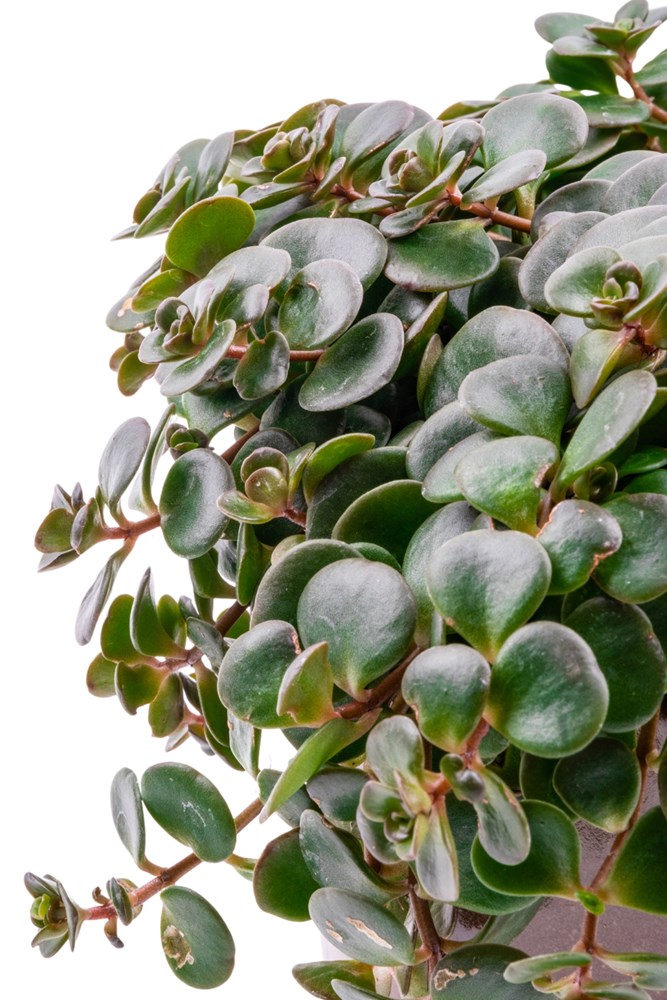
<point x="439" y="530"/>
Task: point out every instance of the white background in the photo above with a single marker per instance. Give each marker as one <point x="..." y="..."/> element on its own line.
<point x="97" y="97"/>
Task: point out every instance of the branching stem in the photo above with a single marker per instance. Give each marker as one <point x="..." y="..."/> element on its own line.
<point x="428" y="933"/>
<point x="135" y="528"/>
<point x="628" y="75"/>
<point x="387" y="687"/>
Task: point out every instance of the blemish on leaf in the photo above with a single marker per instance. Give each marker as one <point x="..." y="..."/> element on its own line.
<point x="333" y="933"/>
<point x="444" y="977"/>
<point x="176" y="947"/>
<point x="369" y="932"/>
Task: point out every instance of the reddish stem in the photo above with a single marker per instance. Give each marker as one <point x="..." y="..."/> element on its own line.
<point x="134" y="528"/>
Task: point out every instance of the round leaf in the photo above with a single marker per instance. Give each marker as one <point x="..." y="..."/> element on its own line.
<point x="629" y="655"/>
<point x="361" y="928"/>
<point x="336" y="859"/>
<point x="476" y="971"/>
<point x="552" y="866"/>
<point x="263" y="368"/>
<point x="637" y="572"/>
<point x="486" y="584"/>
<point x="320" y="304"/>
<point x="543" y="670"/>
<point x="534" y="121"/>
<point x="193" y="372"/>
<point x="447" y="687"/>
<point x="191" y="519"/>
<point x="639" y="875"/>
<point x="366" y="613"/>
<point x="387" y="516"/>
<point x="195" y="939"/>
<point x="331" y="454"/>
<point x="525" y="394"/>
<point x="190" y="808"/>
<point x="577" y="537"/>
<point x="600" y="784"/>
<point x="282" y="882"/>
<point x="354" y="242"/>
<point x="208" y="231"/>
<point x="359" y="363"/>
<point x="252" y="672"/>
<point x="441" y="256"/>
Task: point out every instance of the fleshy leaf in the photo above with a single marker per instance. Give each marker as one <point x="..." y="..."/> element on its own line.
<point x="195" y="939"/>
<point x="441" y="256"/>
<point x="191" y="373"/>
<point x="639" y="874"/>
<point x="600" y="783"/>
<point x="577" y="537"/>
<point x="191" y="520"/>
<point x="252" y="673"/>
<point x="534" y="121"/>
<point x="320" y="304"/>
<point x="361" y="928"/>
<point x="282" y="882"/>
<point x="208" y="231"/>
<point x="476" y="971"/>
<point x="128" y="814"/>
<point x="637" y="572"/>
<point x="190" y="808"/>
<point x="121" y="458"/>
<point x="539" y="671"/>
<point x="486" y="584"/>
<point x="354" y="242"/>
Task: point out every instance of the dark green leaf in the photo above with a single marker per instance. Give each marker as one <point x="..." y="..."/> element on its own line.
<point x="207" y="232"/>
<point x="97" y="596"/>
<point x="128" y="814"/>
<point x="263" y="368"/>
<point x="320" y="304"/>
<point x="639" y="874"/>
<point x="552" y="866"/>
<point x="577" y="537"/>
<point x="316" y="977"/>
<point x="354" y="242"/>
<point x="146" y="630"/>
<point x="193" y="372"/>
<point x="138" y="685"/>
<point x="331" y="454"/>
<point x="336" y="791"/>
<point x="637" y="572"/>
<point x="600" y="784"/>
<point x="191" y="520"/>
<point x="441" y="256"/>
<point x="475" y="972"/>
<point x="190" y="808"/>
<point x="307" y="687"/>
<point x="534" y="121"/>
<point x="336" y="859"/>
<point x="361" y="928"/>
<point x="366" y="613"/>
<point x="387" y="516"/>
<point x="165" y="713"/>
<point x="540" y="670"/>
<point x="648" y="970"/>
<point x="486" y="584"/>
<point x="509" y="173"/>
<point x="195" y="939"/>
<point x="121" y="458"/>
<point x="525" y="969"/>
<point x="282" y="881"/>
<point x="252" y="672"/>
<point x="359" y="363"/>
<point x="279" y="592"/>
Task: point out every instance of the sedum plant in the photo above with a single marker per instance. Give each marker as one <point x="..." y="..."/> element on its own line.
<point x="440" y="532"/>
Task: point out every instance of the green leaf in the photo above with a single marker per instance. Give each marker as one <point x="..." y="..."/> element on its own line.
<point x="115" y="640"/>
<point x="577" y="537"/>
<point x="128" y="814"/>
<point x="252" y="673"/>
<point x="320" y="304"/>
<point x="436" y="863"/>
<point x="146" y="631"/>
<point x="387" y="516"/>
<point x="190" y="808"/>
<point x="503" y="478"/>
<point x="336" y="859"/>
<point x="486" y="584"/>
<point x="639" y="874"/>
<point x="208" y="231"/>
<point x="509" y="173"/>
<point x="441" y="256"/>
<point x="440" y="485"/>
<point x="354" y="242"/>
<point x="446" y="686"/>
<point x="620" y="635"/>
<point x="450" y="521"/>
<point x="581" y="72"/>
<point x="100" y="677"/>
<point x="475" y="972"/>
<point x="195" y="939"/>
<point x="237" y="506"/>
<point x="279" y="592"/>
<point x="637" y="572"/>
<point x="525" y="394"/>
<point x="636" y="186"/>
<point x="612" y="111"/>
<point x="503" y="828"/>
<point x="361" y="928"/>
<point x="163" y="285"/>
<point x="97" y="596"/>
<point x="212" y="165"/>
<point x="600" y="784"/>
<point x="263" y="368"/>
<point x="534" y="121"/>
<point x="648" y="970"/>
<point x="291" y="811"/>
<point x="191" y="520"/>
<point x="165" y="713"/>
<point x="347" y="482"/>
<point x="573" y="286"/>
<point x="395" y="748"/>
<point x="525" y="969"/>
<point x="316" y="977"/>
<point x="372" y="130"/>
<point x="137" y="685"/>
<point x="541" y="669"/>
<point x="282" y="882"/>
<point x="609" y="420"/>
<point x="366" y="613"/>
<point x="437" y="436"/>
<point x="336" y="791"/>
<point x="315" y="751"/>
<point x="121" y="458"/>
<point x="552" y="866"/>
<point x="307" y="686"/>
<point x="497" y="332"/>
<point x="348" y="991"/>
<point x="595" y="357"/>
<point x="331" y="454"/>
<point x="191" y="373"/>
<point x="551" y="27"/>
<point x="359" y="363"/>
